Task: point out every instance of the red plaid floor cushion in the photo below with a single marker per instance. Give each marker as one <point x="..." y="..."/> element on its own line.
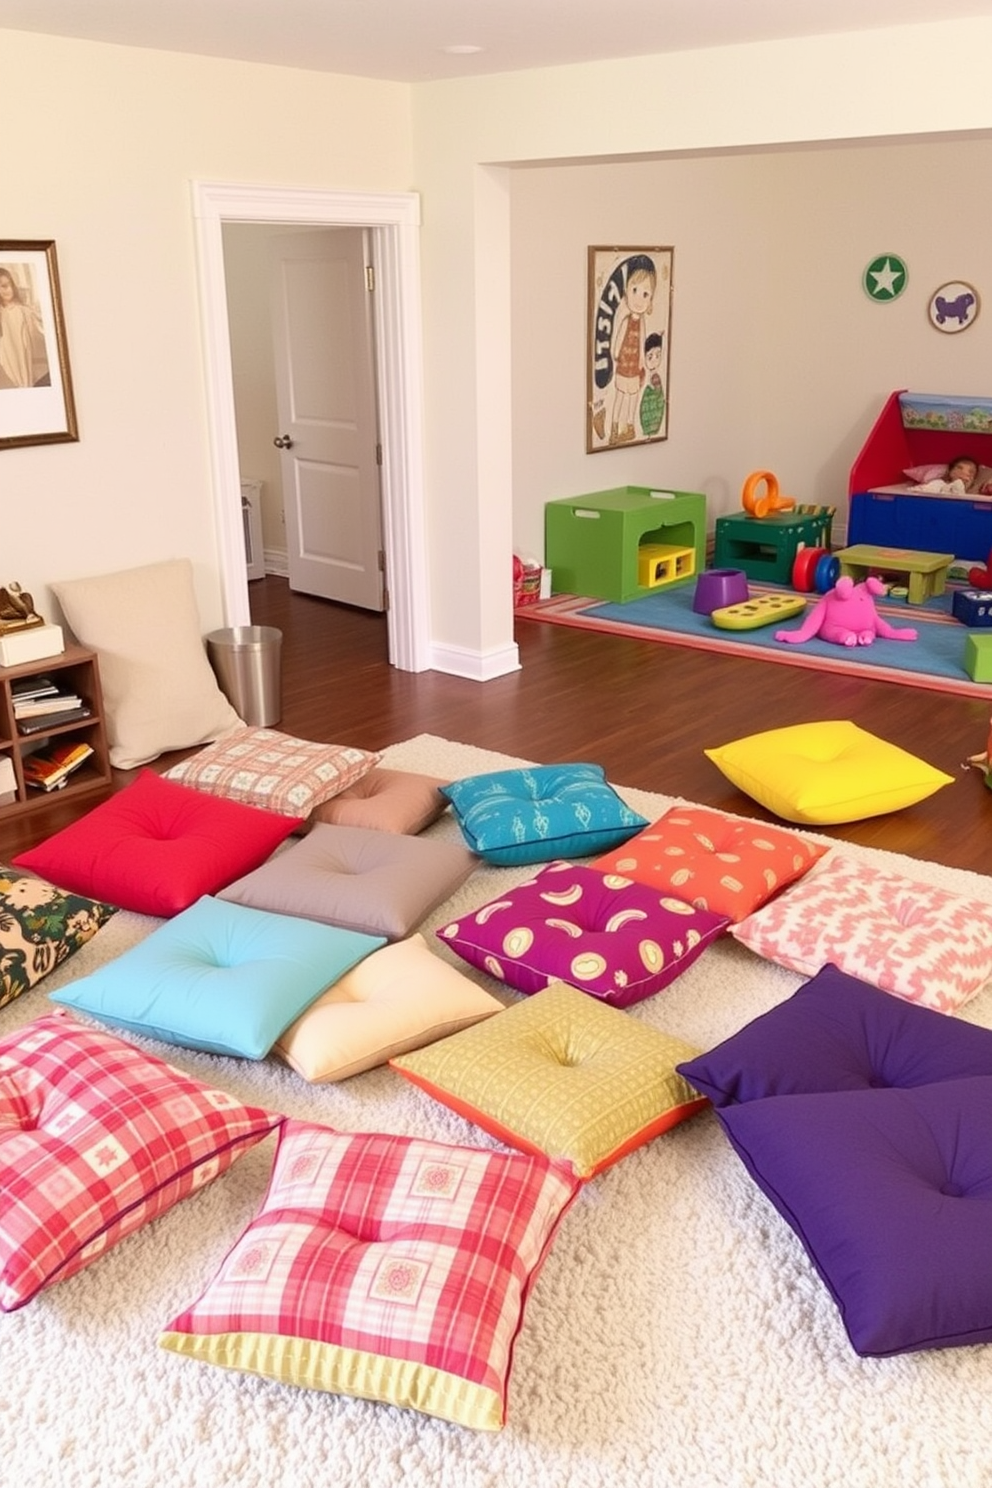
<point x="386" y="1268"/>
<point x="96" y="1139"/>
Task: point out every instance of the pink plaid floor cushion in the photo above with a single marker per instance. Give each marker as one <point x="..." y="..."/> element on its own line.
<point x="96" y="1139"/>
<point x="386" y="1268"/>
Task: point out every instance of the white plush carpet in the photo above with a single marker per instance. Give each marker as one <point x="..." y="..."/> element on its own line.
<point x="677" y="1334"/>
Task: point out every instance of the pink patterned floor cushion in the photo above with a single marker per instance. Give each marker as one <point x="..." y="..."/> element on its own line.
<point x="923" y="943"/>
<point x="267" y="768"/>
<point x="718" y="862"/>
<point x="617" y="940"/>
<point x="97" y="1139"/>
<point x="386" y="1268"/>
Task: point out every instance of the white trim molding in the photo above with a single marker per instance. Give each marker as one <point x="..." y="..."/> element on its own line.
<point x="394" y="220"/>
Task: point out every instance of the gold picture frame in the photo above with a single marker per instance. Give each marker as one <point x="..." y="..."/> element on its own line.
<point x="36" y="399"/>
<point x="629" y="346"/>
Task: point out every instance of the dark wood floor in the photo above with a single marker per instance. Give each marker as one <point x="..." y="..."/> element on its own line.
<point x="642" y="710"/>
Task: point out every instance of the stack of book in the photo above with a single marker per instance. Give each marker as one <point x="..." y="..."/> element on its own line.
<point x="48" y="769"/>
<point x="39" y="705"/>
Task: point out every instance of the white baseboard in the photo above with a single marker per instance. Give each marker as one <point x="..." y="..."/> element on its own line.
<point x="477" y="666"/>
<point x="276" y="562"/>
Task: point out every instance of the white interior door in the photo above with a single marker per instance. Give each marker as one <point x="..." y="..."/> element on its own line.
<point x="328" y="427"/>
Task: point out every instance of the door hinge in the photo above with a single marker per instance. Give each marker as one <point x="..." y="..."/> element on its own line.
<point x="382" y="561"/>
<point x="370" y="278"/>
<point x="378" y="454"/>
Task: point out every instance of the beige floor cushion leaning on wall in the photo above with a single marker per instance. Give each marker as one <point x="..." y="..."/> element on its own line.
<point x="159" y="691"/>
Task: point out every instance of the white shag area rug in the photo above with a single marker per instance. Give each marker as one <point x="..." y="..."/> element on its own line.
<point x="677" y="1333"/>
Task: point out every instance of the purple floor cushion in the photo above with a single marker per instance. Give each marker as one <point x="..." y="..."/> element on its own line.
<point x="890" y="1193"/>
<point x="838" y="1033"/>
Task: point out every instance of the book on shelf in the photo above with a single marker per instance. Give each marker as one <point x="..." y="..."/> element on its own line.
<point x="47" y="769"/>
<point x="45" y="722"/>
<point x="56" y="702"/>
<point x="29" y="688"/>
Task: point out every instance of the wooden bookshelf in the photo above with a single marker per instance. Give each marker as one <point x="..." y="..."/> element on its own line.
<point x="75" y="670"/>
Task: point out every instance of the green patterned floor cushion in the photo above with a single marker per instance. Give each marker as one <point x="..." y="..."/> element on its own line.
<point x="40" y="927"/>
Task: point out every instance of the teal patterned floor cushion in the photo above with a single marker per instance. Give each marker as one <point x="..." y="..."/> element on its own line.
<point x="537" y="813"/>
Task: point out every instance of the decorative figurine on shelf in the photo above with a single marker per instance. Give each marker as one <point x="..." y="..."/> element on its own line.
<point x="846" y="615"/>
<point x="17" y="611"/>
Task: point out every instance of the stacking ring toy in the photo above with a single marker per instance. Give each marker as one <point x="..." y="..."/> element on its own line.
<point x="826" y="573"/>
<point x="772" y="500"/>
<point x="804" y="568"/>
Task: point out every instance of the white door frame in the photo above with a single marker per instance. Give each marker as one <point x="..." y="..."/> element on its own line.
<point x="394" y="220"/>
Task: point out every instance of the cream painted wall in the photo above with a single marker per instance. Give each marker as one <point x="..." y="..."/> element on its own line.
<point x="470" y="135"/>
<point x="115" y="137"/>
<point x="780" y="360"/>
<point x="106" y="168"/>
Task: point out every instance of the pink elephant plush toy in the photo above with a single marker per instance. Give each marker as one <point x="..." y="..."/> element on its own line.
<point x="846" y="615"/>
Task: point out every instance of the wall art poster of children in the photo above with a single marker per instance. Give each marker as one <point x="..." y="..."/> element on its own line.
<point x="630" y="306"/>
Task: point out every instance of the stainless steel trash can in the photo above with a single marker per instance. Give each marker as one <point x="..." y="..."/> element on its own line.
<point x="247" y="663"/>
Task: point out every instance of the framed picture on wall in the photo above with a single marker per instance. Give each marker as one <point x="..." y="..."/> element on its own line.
<point x="36" y="402"/>
<point x="953" y="307"/>
<point x="629" y="346"/>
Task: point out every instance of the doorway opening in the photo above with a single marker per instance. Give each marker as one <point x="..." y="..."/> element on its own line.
<point x="393" y="221"/>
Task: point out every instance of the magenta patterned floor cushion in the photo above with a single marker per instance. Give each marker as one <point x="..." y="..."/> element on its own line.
<point x="617" y="940"/>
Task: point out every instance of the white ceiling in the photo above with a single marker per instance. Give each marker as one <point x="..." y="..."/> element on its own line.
<point x="404" y="40"/>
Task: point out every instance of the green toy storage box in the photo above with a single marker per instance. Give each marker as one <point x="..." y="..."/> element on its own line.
<point x="592" y="542"/>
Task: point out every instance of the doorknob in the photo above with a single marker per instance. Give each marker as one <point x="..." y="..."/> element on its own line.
<point x="283" y="441"/>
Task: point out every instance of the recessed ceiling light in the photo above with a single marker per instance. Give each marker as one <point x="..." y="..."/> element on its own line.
<point x="461" y="50"/>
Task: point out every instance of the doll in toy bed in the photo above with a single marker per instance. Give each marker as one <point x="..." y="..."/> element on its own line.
<point x="962" y="477"/>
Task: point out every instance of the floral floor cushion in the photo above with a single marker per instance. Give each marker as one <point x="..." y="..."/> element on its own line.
<point x="40" y="927"/>
<point x="383" y="1267"/>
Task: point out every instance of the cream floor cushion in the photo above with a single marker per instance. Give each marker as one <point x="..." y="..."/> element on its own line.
<point x="159" y="691"/>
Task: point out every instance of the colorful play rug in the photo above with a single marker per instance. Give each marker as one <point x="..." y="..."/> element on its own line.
<point x="935" y="660"/>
